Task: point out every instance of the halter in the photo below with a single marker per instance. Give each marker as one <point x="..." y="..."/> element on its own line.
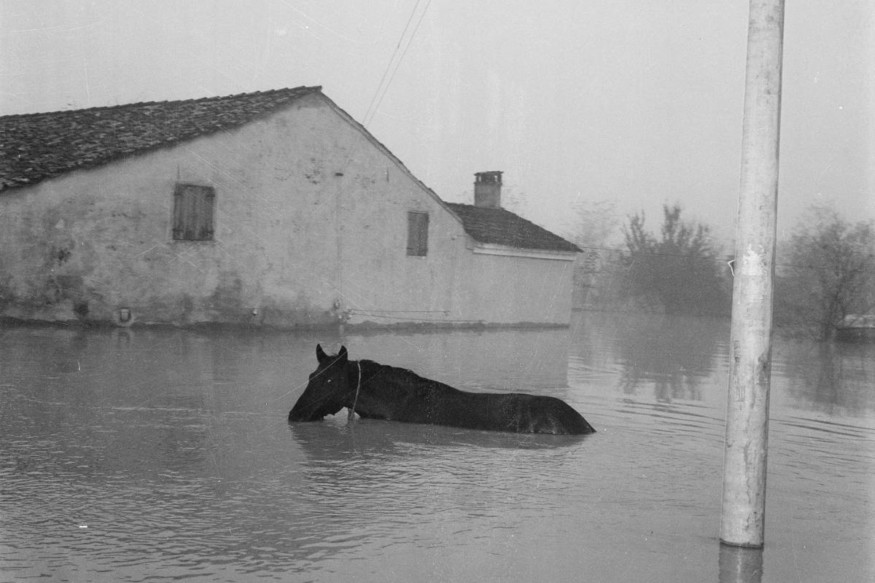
<point x="351" y="412"/>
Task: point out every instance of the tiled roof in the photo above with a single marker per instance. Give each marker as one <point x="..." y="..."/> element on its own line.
<point x="501" y="227"/>
<point x="37" y="146"/>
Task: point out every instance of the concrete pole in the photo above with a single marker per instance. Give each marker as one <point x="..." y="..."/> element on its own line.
<point x="747" y="414"/>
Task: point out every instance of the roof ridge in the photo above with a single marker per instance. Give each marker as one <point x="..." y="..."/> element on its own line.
<point x="309" y="89"/>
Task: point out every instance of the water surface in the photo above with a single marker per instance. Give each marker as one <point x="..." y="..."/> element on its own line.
<point x="132" y="455"/>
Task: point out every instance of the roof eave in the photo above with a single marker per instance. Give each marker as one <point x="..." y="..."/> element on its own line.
<point x="508" y="251"/>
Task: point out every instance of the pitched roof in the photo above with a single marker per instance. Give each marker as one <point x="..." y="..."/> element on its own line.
<point x="37" y="146"/>
<point x="501" y="227"/>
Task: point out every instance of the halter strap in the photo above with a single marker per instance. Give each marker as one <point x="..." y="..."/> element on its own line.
<point x="351" y="412"/>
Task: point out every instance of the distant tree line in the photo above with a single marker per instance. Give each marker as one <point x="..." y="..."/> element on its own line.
<point x="825" y="271"/>
<point x="678" y="270"/>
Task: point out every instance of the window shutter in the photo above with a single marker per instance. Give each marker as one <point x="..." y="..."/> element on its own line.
<point x="417" y="234"/>
<point x="193" y="212"/>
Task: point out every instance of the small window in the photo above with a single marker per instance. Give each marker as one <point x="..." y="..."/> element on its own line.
<point x="417" y="234"/>
<point x="193" y="210"/>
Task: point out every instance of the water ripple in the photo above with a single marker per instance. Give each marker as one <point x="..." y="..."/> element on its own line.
<point x="168" y="456"/>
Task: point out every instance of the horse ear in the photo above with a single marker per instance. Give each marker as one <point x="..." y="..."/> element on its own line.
<point x="320" y="354"/>
<point x="343" y="354"/>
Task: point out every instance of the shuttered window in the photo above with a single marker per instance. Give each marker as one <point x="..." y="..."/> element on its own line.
<point x="417" y="234"/>
<point x="193" y="211"/>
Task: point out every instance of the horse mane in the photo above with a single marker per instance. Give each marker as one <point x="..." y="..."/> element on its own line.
<point x="372" y="369"/>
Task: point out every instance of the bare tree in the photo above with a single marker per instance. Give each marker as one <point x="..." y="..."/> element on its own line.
<point x="827" y="273"/>
<point x="595" y="224"/>
<point x="595" y="231"/>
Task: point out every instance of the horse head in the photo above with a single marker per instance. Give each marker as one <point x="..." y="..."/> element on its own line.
<point x="328" y="390"/>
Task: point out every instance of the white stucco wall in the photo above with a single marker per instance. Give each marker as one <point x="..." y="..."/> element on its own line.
<point x="311" y="225"/>
<point x="518" y="290"/>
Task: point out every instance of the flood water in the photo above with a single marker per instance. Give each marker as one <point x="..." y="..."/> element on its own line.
<point x="135" y="455"/>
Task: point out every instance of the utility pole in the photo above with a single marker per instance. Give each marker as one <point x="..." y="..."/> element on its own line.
<point x="747" y="413"/>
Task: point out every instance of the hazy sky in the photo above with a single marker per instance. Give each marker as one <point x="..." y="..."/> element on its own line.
<point x="635" y="101"/>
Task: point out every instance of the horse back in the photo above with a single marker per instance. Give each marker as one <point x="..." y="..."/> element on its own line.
<point x="401" y="395"/>
<point x="512" y="412"/>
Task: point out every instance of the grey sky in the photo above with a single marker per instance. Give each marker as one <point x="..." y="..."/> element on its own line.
<point x="636" y="101"/>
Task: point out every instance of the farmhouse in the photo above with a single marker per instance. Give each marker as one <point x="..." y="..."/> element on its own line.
<point x="266" y="209"/>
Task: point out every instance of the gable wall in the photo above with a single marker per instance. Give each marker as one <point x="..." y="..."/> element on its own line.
<point x="298" y="194"/>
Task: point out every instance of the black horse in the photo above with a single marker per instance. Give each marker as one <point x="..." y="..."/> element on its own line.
<point x="378" y="391"/>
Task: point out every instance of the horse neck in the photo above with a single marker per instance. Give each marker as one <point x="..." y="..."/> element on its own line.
<point x="382" y="386"/>
<point x="374" y="382"/>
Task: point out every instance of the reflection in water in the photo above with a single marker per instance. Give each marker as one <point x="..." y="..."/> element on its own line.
<point x="740" y="565"/>
<point x="673" y="354"/>
<point x="835" y="378"/>
<point x="336" y="441"/>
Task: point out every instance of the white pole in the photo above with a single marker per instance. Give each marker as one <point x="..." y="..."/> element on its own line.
<point x="747" y="414"/>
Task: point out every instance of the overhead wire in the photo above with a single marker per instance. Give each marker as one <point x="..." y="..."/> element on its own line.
<point x="383" y="86"/>
<point x="389" y="64"/>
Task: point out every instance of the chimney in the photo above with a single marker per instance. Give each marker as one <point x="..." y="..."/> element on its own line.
<point x="487" y="189"/>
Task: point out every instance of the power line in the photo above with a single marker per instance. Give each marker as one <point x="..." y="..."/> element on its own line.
<point x="403" y="54"/>
<point x="384" y="84"/>
<point x="389" y="64"/>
